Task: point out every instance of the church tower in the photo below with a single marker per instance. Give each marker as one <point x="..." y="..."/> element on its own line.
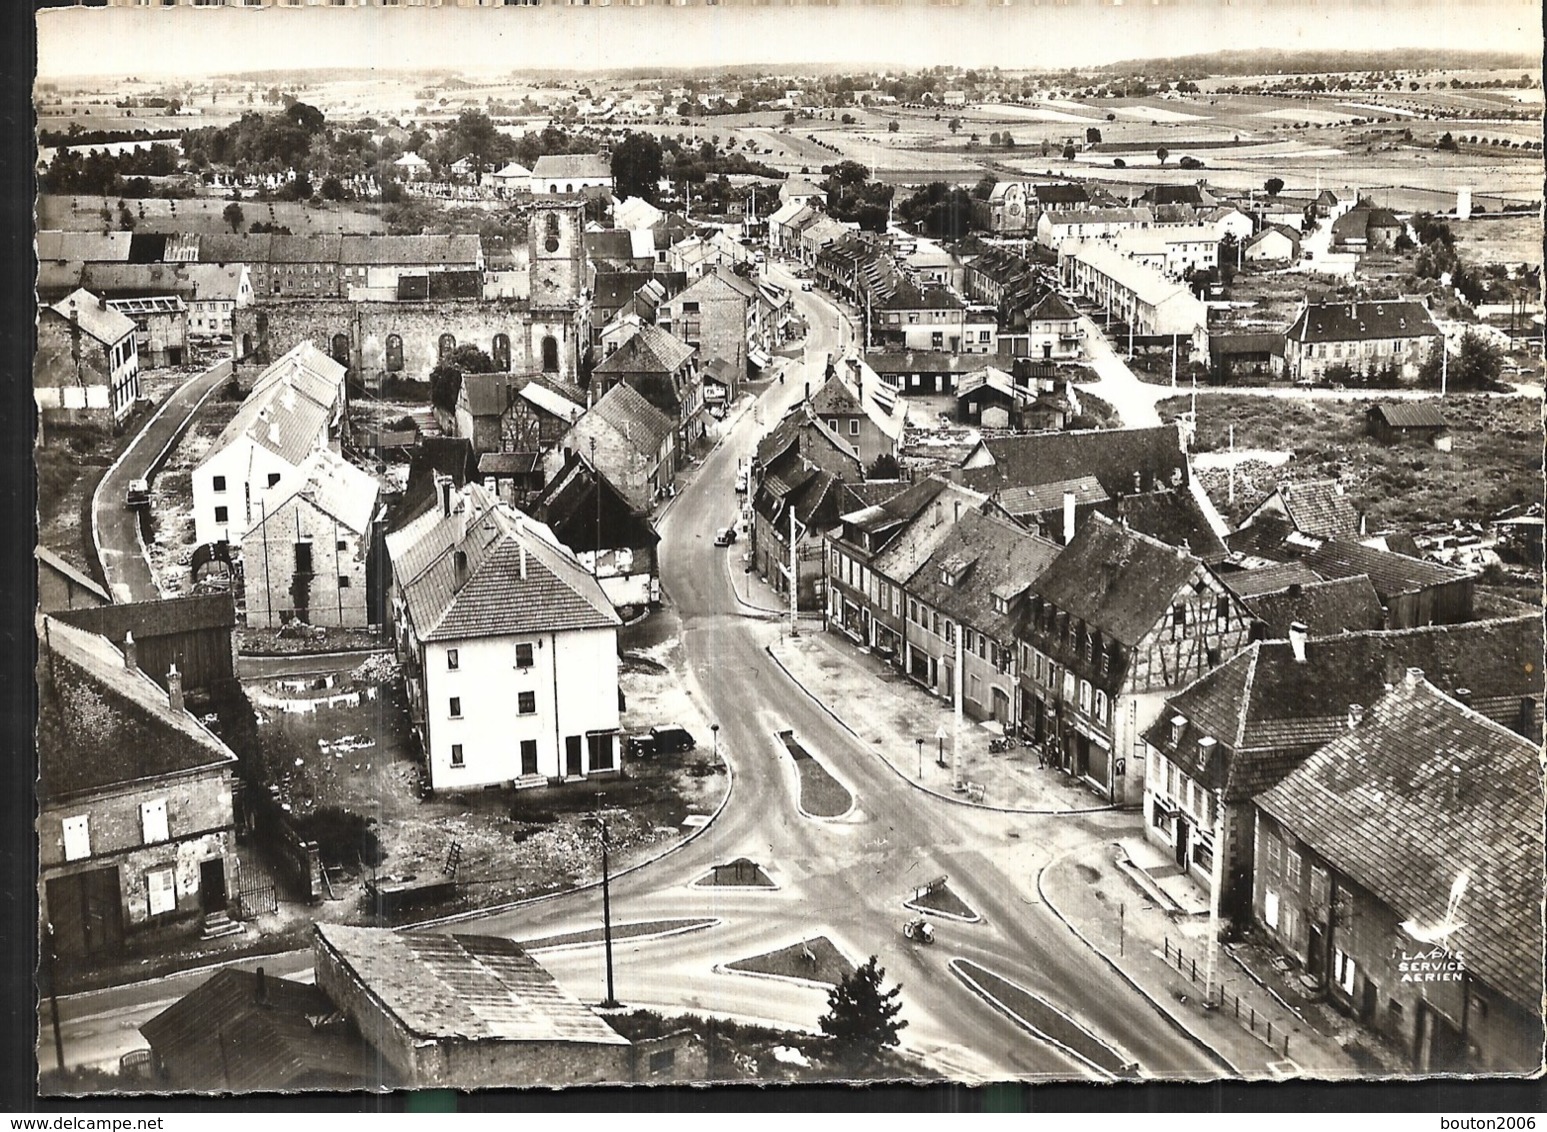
<point x="560" y="307"/>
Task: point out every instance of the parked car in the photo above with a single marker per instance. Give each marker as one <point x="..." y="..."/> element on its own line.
<point x="805" y="284"/>
<point x="671" y="737"/>
<point x="741" y="481"/>
<point x="138" y="494"/>
<point x="725" y="536"/>
<point x="639" y="746"/>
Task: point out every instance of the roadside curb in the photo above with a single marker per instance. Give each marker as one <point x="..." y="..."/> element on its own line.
<point x="1175" y="1022"/>
<point x="915" y="785"/>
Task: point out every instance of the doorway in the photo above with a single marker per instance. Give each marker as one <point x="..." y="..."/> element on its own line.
<point x="573" y="767"/>
<point x="1183" y="833"/>
<point x="212" y="885"/>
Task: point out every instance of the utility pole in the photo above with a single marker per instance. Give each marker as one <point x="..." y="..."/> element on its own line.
<point x="596" y="486"/>
<point x="1173" y="361"/>
<point x="794" y="578"/>
<point x="610" y="1002"/>
<point x="956" y="738"/>
<point x="1232" y="462"/>
<point x="1216" y="884"/>
<point x="1444" y="362"/>
<point x="53" y="992"/>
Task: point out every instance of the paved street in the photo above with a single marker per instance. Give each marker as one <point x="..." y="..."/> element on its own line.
<point x="116" y="528"/>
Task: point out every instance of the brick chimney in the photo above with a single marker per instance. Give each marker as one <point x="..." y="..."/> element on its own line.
<point x="1068" y="517"/>
<point x="1355" y="715"/>
<point x="175" y="688"/>
<point x="260" y="987"/>
<point x="1412" y="678"/>
<point x="131" y="652"/>
<point x="1297" y="635"/>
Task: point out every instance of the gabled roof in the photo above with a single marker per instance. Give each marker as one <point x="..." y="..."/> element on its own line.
<point x="800" y="187"/>
<point x="1146" y="282"/>
<point x="1339" y="605"/>
<point x="1116" y="580"/>
<point x="1274" y="230"/>
<point x="514" y="171"/>
<point x="381" y="250"/>
<point x="513" y="576"/>
<point x="1049" y="195"/>
<point x="610" y="244"/>
<point x="1348" y="322"/>
<point x="1422" y="790"/>
<point x="885" y="517"/>
<point x="624" y="410"/>
<point x="787" y="212"/>
<point x="1042" y="499"/>
<point x="713" y="286"/>
<point x="800" y="427"/>
<point x="1247" y="584"/>
<point x="1269" y="711"/>
<point x="47" y="558"/>
<point x="462" y="988"/>
<point x="97" y="319"/>
<point x="563" y="166"/>
<point x="1409" y="414"/>
<point x="990" y="557"/>
<point x="290" y="406"/>
<point x="651" y="350"/>
<point x="1052" y="307"/>
<point x="83" y="247"/>
<point x="1174" y="518"/>
<point x="910" y="547"/>
<point x="1111" y="455"/>
<point x="1319" y="508"/>
<point x="221" y="1037"/>
<point x="1078" y="217"/>
<point x="101" y="724"/>
<point x="332" y="485"/>
<point x="1391" y="574"/>
<point x="587" y="513"/>
<point x="1195" y="195"/>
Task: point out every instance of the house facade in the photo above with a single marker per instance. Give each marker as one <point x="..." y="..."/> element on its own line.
<point x="715" y="315"/>
<point x="629" y="441"/>
<point x="1395" y="335"/>
<point x="86" y="367"/>
<point x="135" y="824"/>
<point x="664" y="370"/>
<point x="509" y="647"/>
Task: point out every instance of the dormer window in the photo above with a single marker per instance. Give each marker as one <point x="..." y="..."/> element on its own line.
<point x="1178" y="725"/>
<point x="1001" y="604"/>
<point x="1206" y="748"/>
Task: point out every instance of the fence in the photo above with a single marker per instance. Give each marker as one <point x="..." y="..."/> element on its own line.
<point x="1260" y="1025"/>
<point x="255" y="894"/>
<point x="298" y="859"/>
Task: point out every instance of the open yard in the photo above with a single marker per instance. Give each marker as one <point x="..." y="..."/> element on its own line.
<point x="1495" y="462"/>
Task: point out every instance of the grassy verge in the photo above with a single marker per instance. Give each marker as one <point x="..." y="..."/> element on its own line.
<point x="821" y="795"/>
<point x="825" y="964"/>
<point x="1495" y="460"/>
<point x="1038" y="1015"/>
<point x="944" y="901"/>
<point x="619" y="931"/>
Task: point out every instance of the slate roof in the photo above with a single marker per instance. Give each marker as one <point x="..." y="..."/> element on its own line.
<point x="462" y="987"/>
<point x="1116" y="580"/>
<point x="652" y="350"/>
<point x="1111" y="455"/>
<point x="563" y="166"/>
<point x="639" y="422"/>
<point x="101" y="725"/>
<point x="615" y="288"/>
<point x="1350" y="322"/>
<point x="1340" y="605"/>
<point x="1391" y="574"/>
<point x="220" y="1037"/>
<point x="612" y="244"/>
<point x="1422" y="790"/>
<point x="519" y="578"/>
<point x="101" y="322"/>
<point x="150" y="619"/>
<point x="1268" y="711"/>
<point x="1409" y="414"/>
<point x="994" y="556"/>
<point x="1319" y="509"/>
<point x="1060" y="194"/>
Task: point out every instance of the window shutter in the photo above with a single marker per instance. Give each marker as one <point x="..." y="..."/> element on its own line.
<point x="153" y="821"/>
<point x="161" y="887"/>
<point x="77" y="838"/>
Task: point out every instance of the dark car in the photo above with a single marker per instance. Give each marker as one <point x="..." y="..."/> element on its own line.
<point x="670" y="737"/>
<point x="639" y="746"/>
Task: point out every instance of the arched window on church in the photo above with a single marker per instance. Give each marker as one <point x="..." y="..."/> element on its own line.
<point x="448" y="345"/>
<point x="551" y="232"/>
<point x="340" y="350"/>
<point x="550" y="354"/>
<point x="501" y="353"/>
<point x="394" y="353"/>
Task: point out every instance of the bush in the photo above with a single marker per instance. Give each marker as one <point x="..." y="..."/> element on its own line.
<point x="342" y="836"/>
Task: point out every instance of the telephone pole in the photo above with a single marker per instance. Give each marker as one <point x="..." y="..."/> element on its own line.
<point x="610" y="1002"/>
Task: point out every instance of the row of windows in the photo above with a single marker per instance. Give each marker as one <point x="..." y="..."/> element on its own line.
<point x="153" y="829"/>
<point x="526" y="704"/>
<point x="524" y="653"/>
<point x="1357" y="349"/>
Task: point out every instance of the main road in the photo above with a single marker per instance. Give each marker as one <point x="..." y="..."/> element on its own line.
<point x="844" y="878"/>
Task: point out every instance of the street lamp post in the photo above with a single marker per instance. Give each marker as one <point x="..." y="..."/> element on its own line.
<point x="610" y="1002"/>
<point x="920" y="742"/>
<point x="714" y="729"/>
<point x="940" y="740"/>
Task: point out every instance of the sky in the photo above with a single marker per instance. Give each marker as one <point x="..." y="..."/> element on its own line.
<point x="193" y="42"/>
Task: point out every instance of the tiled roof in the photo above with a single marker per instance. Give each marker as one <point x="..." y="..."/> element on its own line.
<point x="97" y="319"/>
<point x="1054" y="194"/>
<point x="651" y="350"/>
<point x="1410" y="414"/>
<point x="1146" y="282"/>
<point x="1247" y="584"/>
<point x="440" y="250"/>
<point x="920" y="361"/>
<point x="1077" y="217"/>
<point x="290" y="406"/>
<point x="993" y="556"/>
<point x="1174" y="518"/>
<point x="516" y="577"/>
<point x="47" y="558"/>
<point x="1348" y="322"/>
<point x="150" y="619"/>
<point x="1391" y="574"/>
<point x="1195" y="195"/>
<point x="1274" y="229"/>
<point x="1052" y="307"/>
<point x="463" y="987"/>
<point x="586" y="512"/>
<point x="1341" y="605"/>
<point x="800" y="427"/>
<point x="1319" y="508"/>
<point x="83" y="247"/>
<point x="1116" y="580"/>
<point x="101" y="724"/>
<point x="1111" y="455"/>
<point x="1423" y="790"/>
<point x="572" y="165"/>
<point x="219" y="1037"/>
<point x="1045" y="498"/>
<point x="1269" y="711"/>
<point x="615" y="244"/>
<point x="640" y="423"/>
<point x="907" y="550"/>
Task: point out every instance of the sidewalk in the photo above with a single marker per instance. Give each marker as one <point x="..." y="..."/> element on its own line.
<point x="886" y="711"/>
<point x="1141" y="940"/>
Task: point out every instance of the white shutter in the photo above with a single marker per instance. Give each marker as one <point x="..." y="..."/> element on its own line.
<point x="77" y="838"/>
<point x="153" y="821"/>
<point x="161" y="887"/>
<point x="1270" y="909"/>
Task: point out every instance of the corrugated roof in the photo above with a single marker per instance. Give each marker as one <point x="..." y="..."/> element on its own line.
<point x="1423" y="790"/>
<point x="463" y="987"/>
<point x="101" y="724"/>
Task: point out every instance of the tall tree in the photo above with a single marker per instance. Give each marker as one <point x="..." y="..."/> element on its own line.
<point x="636" y="166"/>
<point x="1162" y="153"/>
<point x="861" y="1018"/>
<point x="233" y="215"/>
<point x="1273" y="186"/>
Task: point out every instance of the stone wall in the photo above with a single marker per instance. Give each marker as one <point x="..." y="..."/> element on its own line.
<point x="335" y="592"/>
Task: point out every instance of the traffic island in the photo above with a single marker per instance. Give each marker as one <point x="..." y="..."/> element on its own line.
<point x="814" y="960"/>
<point x="637" y="930"/>
<point x="821" y="795"/>
<point x="937" y="898"/>
<point x="740" y="873"/>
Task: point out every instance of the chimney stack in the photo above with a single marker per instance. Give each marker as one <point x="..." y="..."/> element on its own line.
<point x="1464" y="697"/>
<point x="1355" y="715"/>
<point x="131" y="652"/>
<point x="459" y="564"/>
<point x="523" y="562"/>
<point x="1412" y="678"/>
<point x="443" y="484"/>
<point x="175" y="688"/>
<point x="1297" y="635"/>
<point x="1138" y="482"/>
<point x="1295" y="589"/>
<point x="102" y="302"/>
<point x="1068" y="517"/>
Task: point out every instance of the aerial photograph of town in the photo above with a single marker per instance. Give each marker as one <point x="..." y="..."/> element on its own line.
<point x="669" y="544"/>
